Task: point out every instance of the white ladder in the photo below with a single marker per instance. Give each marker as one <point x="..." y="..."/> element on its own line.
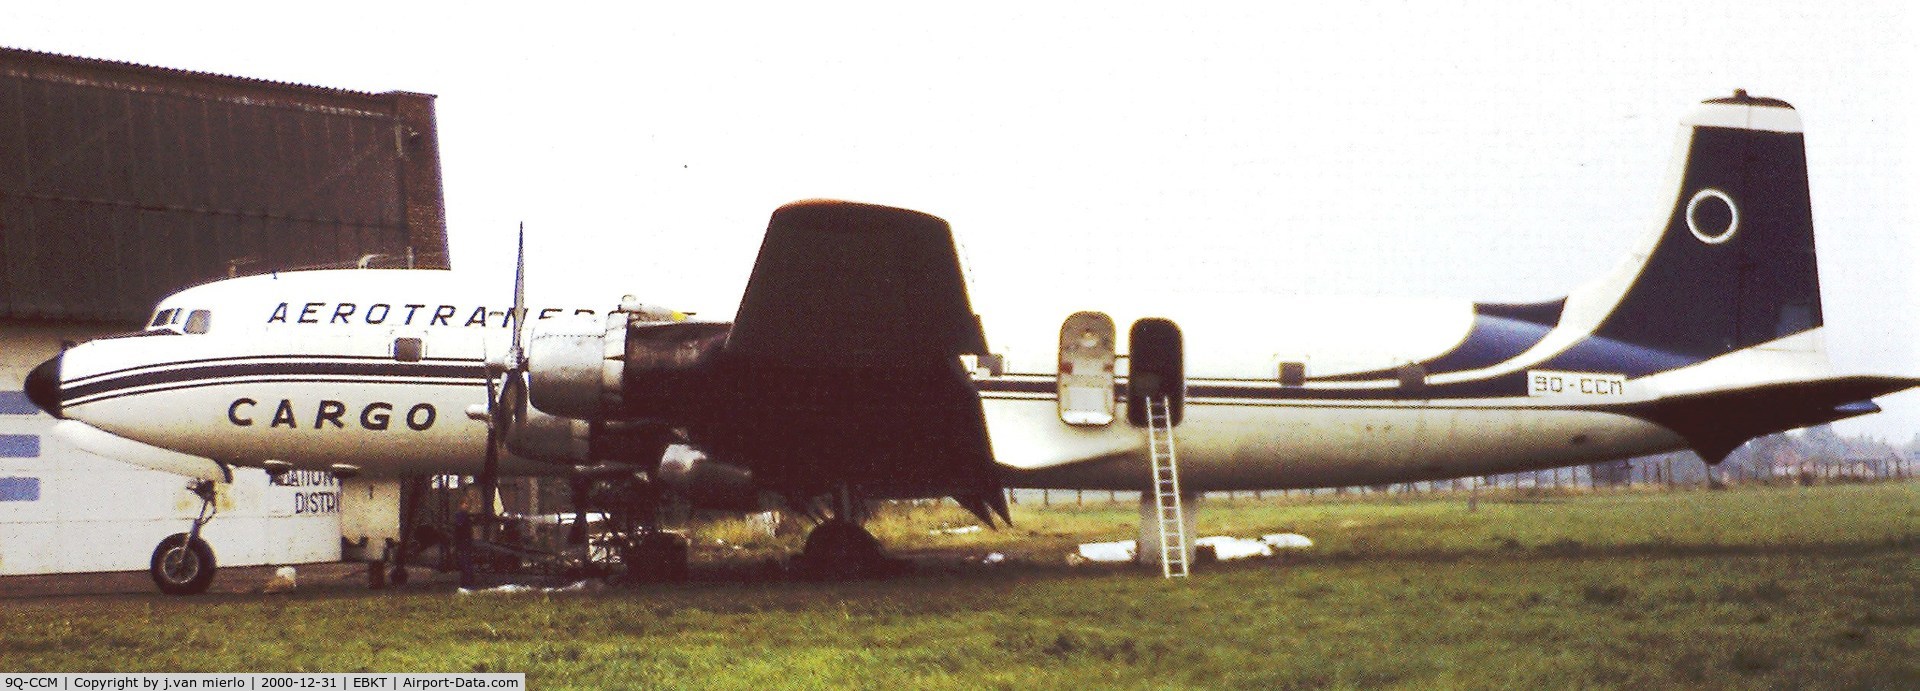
<point x="1166" y="489"/>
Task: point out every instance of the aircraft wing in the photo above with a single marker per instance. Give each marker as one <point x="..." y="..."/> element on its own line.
<point x="840" y="284"/>
<point x="842" y="371"/>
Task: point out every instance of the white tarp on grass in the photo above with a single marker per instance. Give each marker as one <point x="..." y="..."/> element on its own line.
<point x="1225" y="548"/>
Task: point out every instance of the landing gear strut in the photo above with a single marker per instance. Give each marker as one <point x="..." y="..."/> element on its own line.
<point x="183" y="564"/>
<point x="650" y="554"/>
<point x="633" y="505"/>
<point x="413" y="491"/>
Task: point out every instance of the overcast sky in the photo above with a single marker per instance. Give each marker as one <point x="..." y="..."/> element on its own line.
<point x="1494" y="151"/>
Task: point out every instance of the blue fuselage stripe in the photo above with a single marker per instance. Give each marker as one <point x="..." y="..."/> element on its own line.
<point x="457" y="373"/>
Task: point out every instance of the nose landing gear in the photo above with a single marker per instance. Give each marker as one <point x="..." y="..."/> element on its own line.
<point x="183" y="563"/>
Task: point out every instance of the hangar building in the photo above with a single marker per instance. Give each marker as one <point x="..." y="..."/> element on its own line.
<point x="121" y="183"/>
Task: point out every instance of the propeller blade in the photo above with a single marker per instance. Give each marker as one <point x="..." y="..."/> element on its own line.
<point x="507" y="398"/>
<point x="490" y="469"/>
<point x="519" y="299"/>
<point x="490" y="475"/>
<point x="493" y="400"/>
<point x="512" y="407"/>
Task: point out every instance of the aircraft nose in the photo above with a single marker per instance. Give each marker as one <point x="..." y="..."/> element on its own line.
<point x="43" y="386"/>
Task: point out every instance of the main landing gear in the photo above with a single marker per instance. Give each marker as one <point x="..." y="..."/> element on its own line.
<point x="624" y="543"/>
<point x="183" y="564"/>
<point x="840" y="548"/>
<point x="655" y="556"/>
<point x="413" y="491"/>
<point x="647" y="553"/>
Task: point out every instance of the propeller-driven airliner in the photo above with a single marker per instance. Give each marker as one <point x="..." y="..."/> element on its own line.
<point x="856" y="369"/>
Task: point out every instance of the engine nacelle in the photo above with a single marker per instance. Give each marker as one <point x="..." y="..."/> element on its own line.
<point x="572" y="441"/>
<point x="707" y="483"/>
<point x="667" y="367"/>
<point x="552" y="438"/>
<point x="626" y="367"/>
<point x="574" y="365"/>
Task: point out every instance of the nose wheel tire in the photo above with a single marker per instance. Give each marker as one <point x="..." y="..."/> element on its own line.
<point x="182" y="565"/>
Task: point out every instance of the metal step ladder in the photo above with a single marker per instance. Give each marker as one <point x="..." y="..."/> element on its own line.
<point x="1166" y="488"/>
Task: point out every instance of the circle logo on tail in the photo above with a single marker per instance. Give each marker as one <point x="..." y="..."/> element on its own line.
<point x="1713" y="223"/>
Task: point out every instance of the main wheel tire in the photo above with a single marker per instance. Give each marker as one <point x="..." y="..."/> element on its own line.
<point x="657" y="558"/>
<point x="840" y="549"/>
<point x="182" y="567"/>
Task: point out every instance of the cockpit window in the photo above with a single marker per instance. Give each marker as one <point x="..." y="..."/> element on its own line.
<point x="179" y="320"/>
<point x="198" y="321"/>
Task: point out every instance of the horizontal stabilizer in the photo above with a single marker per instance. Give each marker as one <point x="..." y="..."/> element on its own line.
<point x="1716" y="423"/>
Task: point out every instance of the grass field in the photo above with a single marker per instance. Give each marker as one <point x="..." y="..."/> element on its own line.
<point x="1754" y="587"/>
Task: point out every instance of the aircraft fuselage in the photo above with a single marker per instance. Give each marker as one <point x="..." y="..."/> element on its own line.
<point x="316" y="386"/>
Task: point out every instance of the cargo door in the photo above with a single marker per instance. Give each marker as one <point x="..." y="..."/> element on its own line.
<point x="1156" y="364"/>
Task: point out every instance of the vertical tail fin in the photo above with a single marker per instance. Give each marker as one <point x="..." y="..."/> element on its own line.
<point x="1731" y="270"/>
<point x="1734" y="266"/>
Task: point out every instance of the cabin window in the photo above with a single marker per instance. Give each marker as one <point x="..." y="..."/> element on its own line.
<point x="1293" y="374"/>
<point x="409" y="349"/>
<point x="161" y="318"/>
<point x="1413" y="378"/>
<point x="198" y="321"/>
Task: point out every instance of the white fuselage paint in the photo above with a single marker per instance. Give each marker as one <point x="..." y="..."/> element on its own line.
<point x="1228" y="444"/>
<point x="371" y="412"/>
<point x="392" y="418"/>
